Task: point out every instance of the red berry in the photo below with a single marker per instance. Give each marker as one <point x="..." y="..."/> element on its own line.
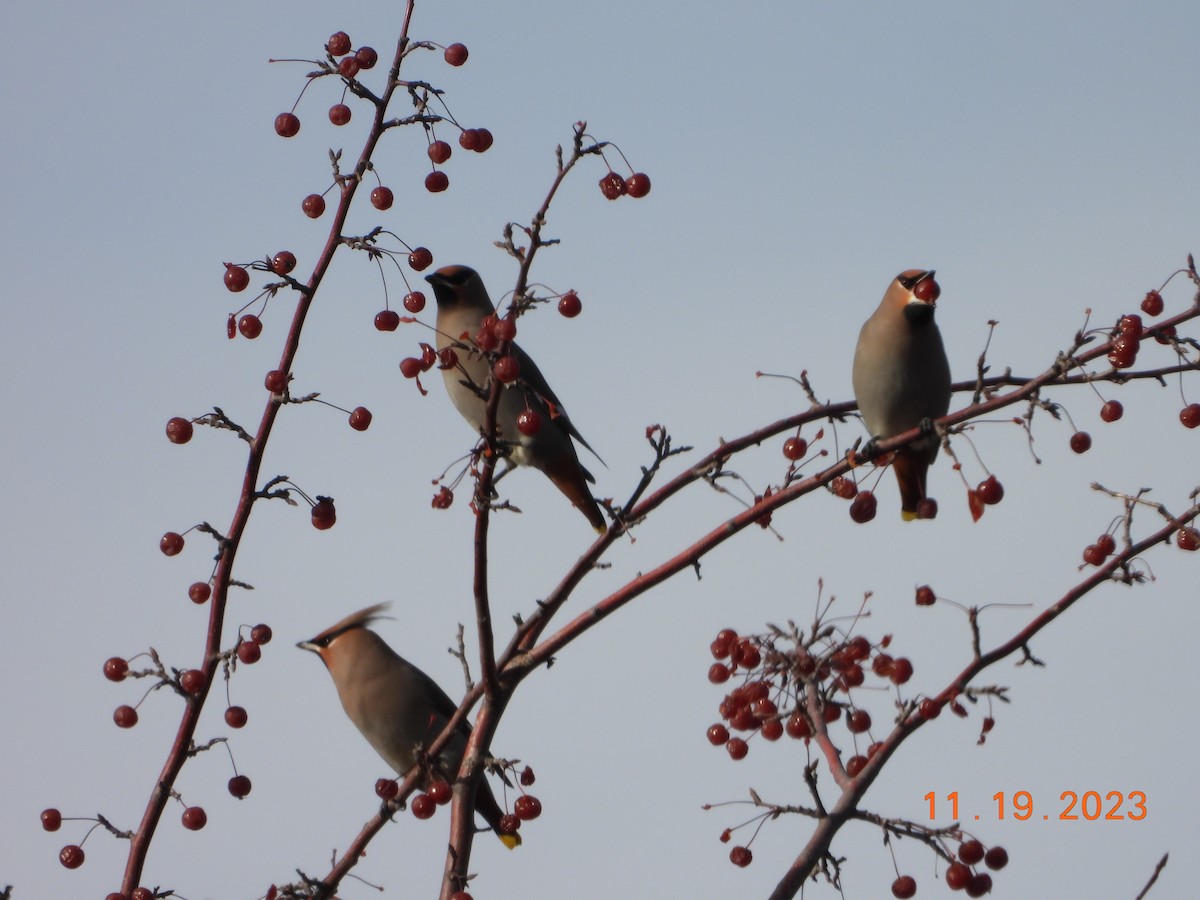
<point x="443" y="498"/>
<point x="249" y="652"/>
<point x="283" y="262"/>
<point x="904" y="887"/>
<point x="902" y="670"/>
<point x="1130" y="325"/>
<point x="506" y="369"/>
<point x="360" y="419"/>
<point x="990" y="490"/>
<point x="980" y="885"/>
<point x="192" y="681"/>
<point x="996" y="858"/>
<point x="508" y="824"/>
<point x="250" y="326"/>
<point x="1081" y="442"/>
<point x="115" y="669"/>
<point x="747" y="655"/>
<point x="439" y="152"/>
<point x="456" y="54"/>
<point x="382" y="198"/>
<point x="125" y="716"/>
<point x="1093" y="555"/>
<point x="927" y="508"/>
<point x="236" y="278"/>
<point x="854" y="765"/>
<point x="313" y="206"/>
<point x="468" y="139"/>
<point x="1188" y="539"/>
<point x="958" y="876"/>
<point x="483" y="140"/>
<point x="505" y="330"/>
<point x="927" y="289"/>
<point x="797" y="726"/>
<point x="737" y="748"/>
<point x="831" y="713"/>
<point x="741" y="856"/>
<point x="1122" y="359"/>
<point x="1106" y="543"/>
<point x="527" y="807"/>
<point x="772" y="729"/>
<point x="437" y="181"/>
<point x="71" y="856"/>
<point x="51" y="819"/>
<point x="929" y="708"/>
<point x="386" y="788"/>
<point x="387" y="320"/>
<point x="1152" y="305"/>
<point x="367" y="57"/>
<point x="1190" y="415"/>
<point x="194" y="818"/>
<point x="725" y="643"/>
<point x="423" y="806"/>
<point x="843" y="487"/>
<point x="287" y="125"/>
<point x="276" y="381"/>
<point x="858" y="721"/>
<point x="171" y="543"/>
<point x="970" y="852"/>
<point x="141" y="893"/>
<point x="179" y="430"/>
<point x="339" y="44"/>
<point x="862" y="508"/>
<point x="1112" y="410"/>
<point x="794" y="448"/>
<point x="348" y="67"/>
<point x="440" y="791"/>
<point x="925" y="596"/>
<point x="881" y="665"/>
<point x="461" y="895"/>
<point x="569" y="305"/>
<point x="612" y="185"/>
<point x="235" y="717"/>
<point x="637" y="185"/>
<point x="529" y="422"/>
<point x="420" y="259"/>
<point x="339" y="114"/>
<point x="1164" y="334"/>
<point x="261" y="634"/>
<point x="414" y="302"/>
<point x="239" y="786"/>
<point x="323" y="513"/>
<point x="527" y="777"/>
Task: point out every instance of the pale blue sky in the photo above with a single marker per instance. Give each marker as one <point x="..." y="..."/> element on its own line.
<point x="1041" y="156"/>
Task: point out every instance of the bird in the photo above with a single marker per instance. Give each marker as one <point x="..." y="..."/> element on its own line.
<point x="463" y="304"/>
<point x="901" y="377"/>
<point x="396" y="706"/>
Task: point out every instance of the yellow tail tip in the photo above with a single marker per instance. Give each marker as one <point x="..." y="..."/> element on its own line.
<point x="908" y="515"/>
<point x="511" y="841"/>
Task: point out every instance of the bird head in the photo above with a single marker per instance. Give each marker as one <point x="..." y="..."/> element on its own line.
<point x="326" y="644"/>
<point x="459" y="286"/>
<point x="917" y="292"/>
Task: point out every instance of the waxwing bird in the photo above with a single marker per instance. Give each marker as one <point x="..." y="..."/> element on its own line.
<point x="463" y="304"/>
<point x="902" y="378"/>
<point x="396" y="706"/>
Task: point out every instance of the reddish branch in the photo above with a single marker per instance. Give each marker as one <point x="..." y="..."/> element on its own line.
<point x="223" y="577"/>
<point x="855" y="788"/>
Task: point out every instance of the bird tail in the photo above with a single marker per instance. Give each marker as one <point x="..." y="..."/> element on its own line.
<point x="911" y="469"/>
<point x="486" y="806"/>
<point x="568" y="476"/>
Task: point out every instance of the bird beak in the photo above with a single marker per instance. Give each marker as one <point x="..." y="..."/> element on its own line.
<point x="309" y="645"/>
<point x="928" y="274"/>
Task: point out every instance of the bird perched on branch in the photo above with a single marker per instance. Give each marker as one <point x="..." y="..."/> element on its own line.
<point x="902" y="378"/>
<point x="542" y="440"/>
<point x="397" y="707"/>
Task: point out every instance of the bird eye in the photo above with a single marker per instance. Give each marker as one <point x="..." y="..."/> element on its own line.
<point x="908" y="281"/>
